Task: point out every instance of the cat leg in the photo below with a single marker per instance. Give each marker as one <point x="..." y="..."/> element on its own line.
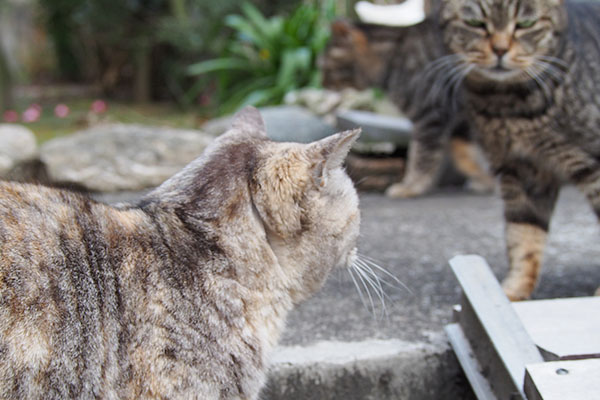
<point x="529" y="199"/>
<point x="422" y="170"/>
<point x="587" y="179"/>
<point x="469" y="161"/>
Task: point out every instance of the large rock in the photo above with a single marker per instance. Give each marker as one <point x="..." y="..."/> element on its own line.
<point x="121" y="157"/>
<point x="17" y="147"/>
<point x="288" y="123"/>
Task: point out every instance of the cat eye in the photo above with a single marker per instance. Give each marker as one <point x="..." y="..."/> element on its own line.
<point x="475" y="23"/>
<point x="528" y="23"/>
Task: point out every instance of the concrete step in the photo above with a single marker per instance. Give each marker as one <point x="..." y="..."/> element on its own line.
<point x="335" y="348"/>
<point x="369" y="369"/>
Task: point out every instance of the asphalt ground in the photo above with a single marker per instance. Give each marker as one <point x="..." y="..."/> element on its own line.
<point x="414" y="239"/>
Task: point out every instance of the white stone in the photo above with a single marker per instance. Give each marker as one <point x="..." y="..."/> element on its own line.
<point x="17" y="145"/>
<point x="120" y="157"/>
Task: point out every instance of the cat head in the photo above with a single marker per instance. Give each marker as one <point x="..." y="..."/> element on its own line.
<point x="354" y="57"/>
<point x="306" y="203"/>
<point x="250" y="192"/>
<point x="503" y="40"/>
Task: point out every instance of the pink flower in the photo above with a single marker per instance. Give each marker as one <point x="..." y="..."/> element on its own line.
<point x="32" y="114"/>
<point x="11" y="116"/>
<point x="204" y="100"/>
<point x="99" y="106"/>
<point x="61" y="110"/>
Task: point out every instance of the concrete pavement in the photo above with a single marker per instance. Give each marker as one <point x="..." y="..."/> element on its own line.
<point x="335" y="348"/>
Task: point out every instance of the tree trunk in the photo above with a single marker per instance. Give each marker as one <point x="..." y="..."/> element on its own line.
<point x="6" y="89"/>
<point x="142" y="91"/>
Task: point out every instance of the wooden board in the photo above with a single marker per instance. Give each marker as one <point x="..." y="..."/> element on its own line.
<point x="563" y="380"/>
<point x="497" y="338"/>
<point x="563" y="328"/>
<point x="470" y="365"/>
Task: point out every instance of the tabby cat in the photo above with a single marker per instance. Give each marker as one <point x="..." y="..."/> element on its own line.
<point x="182" y="295"/>
<point x="408" y="64"/>
<point x="531" y="81"/>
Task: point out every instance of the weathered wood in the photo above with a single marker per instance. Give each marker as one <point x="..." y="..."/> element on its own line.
<point x="563" y="329"/>
<point x="563" y="380"/>
<point x="495" y="332"/>
<point x="469" y="363"/>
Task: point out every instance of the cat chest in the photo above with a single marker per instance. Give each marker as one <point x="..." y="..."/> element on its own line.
<point x="503" y="138"/>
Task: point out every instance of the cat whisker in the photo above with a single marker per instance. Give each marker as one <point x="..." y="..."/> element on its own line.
<point x="555" y="60"/>
<point x="374" y="263"/>
<point x="440" y="64"/>
<point x="448" y="85"/>
<point x="439" y="83"/>
<point x="550" y="69"/>
<point x="358" y="289"/>
<point x="362" y="280"/>
<point x="372" y="281"/>
<point x="454" y="85"/>
<point x="531" y="71"/>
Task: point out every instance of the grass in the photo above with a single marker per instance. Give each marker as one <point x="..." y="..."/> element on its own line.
<point x="49" y="126"/>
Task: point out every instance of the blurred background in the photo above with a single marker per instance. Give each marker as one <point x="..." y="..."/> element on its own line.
<point x="66" y="63"/>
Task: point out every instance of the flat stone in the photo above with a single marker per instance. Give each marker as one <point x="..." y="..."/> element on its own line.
<point x="374" y="173"/>
<point x="288" y="123"/>
<point x="17" y="146"/>
<point x="377" y="128"/>
<point x="120" y="157"/>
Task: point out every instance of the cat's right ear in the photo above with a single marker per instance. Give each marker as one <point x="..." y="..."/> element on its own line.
<point x="249" y="120"/>
<point x="330" y="153"/>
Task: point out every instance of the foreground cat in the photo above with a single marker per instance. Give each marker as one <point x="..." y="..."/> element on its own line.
<point x="409" y="63"/>
<point x="531" y="82"/>
<point x="182" y="295"/>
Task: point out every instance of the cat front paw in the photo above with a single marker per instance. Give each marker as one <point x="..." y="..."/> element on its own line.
<point x="403" y="191"/>
<point x="516" y="292"/>
<point x="481" y="185"/>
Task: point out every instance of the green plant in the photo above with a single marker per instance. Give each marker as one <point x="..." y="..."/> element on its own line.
<point x="269" y="57"/>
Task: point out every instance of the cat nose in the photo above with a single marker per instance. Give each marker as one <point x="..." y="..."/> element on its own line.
<point x="500" y="51"/>
<point x="500" y="44"/>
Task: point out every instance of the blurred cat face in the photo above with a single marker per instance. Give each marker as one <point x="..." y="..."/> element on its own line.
<point x="504" y="40"/>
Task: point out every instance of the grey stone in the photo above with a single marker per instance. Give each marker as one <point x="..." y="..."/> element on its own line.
<point x="121" y="157"/>
<point x="377" y="128"/>
<point x="294" y="124"/>
<point x="17" y="146"/>
<point x="283" y="123"/>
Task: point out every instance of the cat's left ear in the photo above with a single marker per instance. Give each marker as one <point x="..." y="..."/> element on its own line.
<point x="330" y="153"/>
<point x="249" y="120"/>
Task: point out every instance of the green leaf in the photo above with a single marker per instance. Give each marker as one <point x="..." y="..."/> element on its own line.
<point x="293" y="62"/>
<point x="246" y="30"/>
<point x="218" y="64"/>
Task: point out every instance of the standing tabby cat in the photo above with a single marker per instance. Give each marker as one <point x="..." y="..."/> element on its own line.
<point x="531" y="88"/>
<point x="182" y="295"/>
<point x="412" y="65"/>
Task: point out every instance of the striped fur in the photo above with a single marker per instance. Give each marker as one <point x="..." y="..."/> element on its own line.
<point x="180" y="296"/>
<point x="531" y="91"/>
<point x="409" y="64"/>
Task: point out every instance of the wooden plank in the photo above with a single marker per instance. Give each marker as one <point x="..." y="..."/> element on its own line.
<point x="468" y="362"/>
<point x="497" y="337"/>
<point x="564" y="329"/>
<point x="563" y="380"/>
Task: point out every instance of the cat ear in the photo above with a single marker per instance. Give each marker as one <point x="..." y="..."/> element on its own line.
<point x="249" y="120"/>
<point x="330" y="153"/>
<point x="341" y="28"/>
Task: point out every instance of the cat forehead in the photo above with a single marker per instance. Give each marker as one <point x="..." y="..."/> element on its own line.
<point x="499" y="10"/>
